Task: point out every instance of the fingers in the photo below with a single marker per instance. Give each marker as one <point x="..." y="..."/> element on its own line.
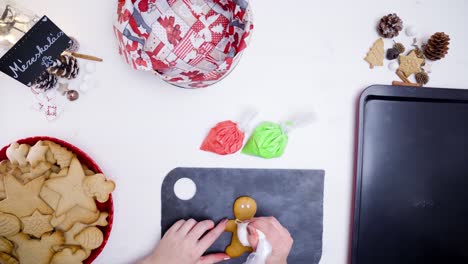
<point x="199" y="229"/>
<point x="211" y="236"/>
<point x="264" y="225"/>
<point x="175" y="227"/>
<point x="213" y="258"/>
<point x="187" y="226"/>
<point x="252" y="237"/>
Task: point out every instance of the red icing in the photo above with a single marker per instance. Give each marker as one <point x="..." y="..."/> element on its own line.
<point x="224" y="138"/>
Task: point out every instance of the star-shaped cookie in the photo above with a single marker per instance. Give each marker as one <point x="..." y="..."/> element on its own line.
<point x="36" y="224"/>
<point x="70" y="188"/>
<point x="410" y="64"/>
<point x="22" y="200"/>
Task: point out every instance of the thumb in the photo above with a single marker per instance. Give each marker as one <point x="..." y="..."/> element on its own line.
<point x="252" y="237"/>
<point x="213" y="258"/>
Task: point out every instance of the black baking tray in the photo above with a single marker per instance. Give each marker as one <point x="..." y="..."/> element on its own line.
<point x="411" y="187"/>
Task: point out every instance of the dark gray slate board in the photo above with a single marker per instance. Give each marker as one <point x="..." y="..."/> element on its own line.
<point x="295" y="197"/>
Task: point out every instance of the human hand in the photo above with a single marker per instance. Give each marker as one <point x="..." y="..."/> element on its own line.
<point x="279" y="238"/>
<point x="182" y="244"/>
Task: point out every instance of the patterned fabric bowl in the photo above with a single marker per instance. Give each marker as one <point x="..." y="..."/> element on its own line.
<point x="188" y="43"/>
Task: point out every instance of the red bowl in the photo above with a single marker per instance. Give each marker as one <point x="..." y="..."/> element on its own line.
<point x="86" y="160"/>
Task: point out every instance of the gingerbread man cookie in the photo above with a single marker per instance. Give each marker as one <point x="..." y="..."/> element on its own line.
<point x="244" y="210"/>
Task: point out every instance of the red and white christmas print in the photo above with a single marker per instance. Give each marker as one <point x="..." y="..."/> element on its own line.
<point x="189" y="43"/>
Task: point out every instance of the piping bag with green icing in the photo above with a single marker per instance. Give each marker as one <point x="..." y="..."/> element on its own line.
<point x="269" y="139"/>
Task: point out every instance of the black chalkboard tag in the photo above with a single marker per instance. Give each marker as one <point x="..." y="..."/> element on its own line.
<point x="34" y="52"/>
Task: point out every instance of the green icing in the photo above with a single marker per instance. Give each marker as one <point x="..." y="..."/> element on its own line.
<point x="268" y="141"/>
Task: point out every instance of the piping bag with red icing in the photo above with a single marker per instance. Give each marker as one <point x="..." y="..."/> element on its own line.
<point x="227" y="137"/>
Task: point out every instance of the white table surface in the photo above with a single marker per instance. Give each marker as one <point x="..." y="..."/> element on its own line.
<point x="304" y="55"/>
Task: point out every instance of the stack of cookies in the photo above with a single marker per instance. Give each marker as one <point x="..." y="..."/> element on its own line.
<point x="48" y="211"/>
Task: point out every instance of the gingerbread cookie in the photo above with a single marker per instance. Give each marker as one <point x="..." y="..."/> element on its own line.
<point x="35" y="251"/>
<point x="76" y="215"/>
<point x="50" y="197"/>
<point x="245" y="209"/>
<point x="17" y="153"/>
<point x="7" y="259"/>
<point x="37" y="224"/>
<point x="60" y="173"/>
<point x="46" y="192"/>
<point x="375" y="56"/>
<point x="70" y="235"/>
<point x="69" y="256"/>
<point x="71" y="190"/>
<point x="90" y="237"/>
<point x="23" y="200"/>
<point x="61" y="154"/>
<point x="6" y="245"/>
<point x="37" y="153"/>
<point x="9" y="225"/>
<point x="97" y="186"/>
<point x="410" y="64"/>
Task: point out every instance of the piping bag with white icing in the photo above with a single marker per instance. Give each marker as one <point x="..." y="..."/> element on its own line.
<point x="263" y="248"/>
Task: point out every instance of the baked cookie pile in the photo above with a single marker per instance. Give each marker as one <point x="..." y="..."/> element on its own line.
<point x="48" y="212"/>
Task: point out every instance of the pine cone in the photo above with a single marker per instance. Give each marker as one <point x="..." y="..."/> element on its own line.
<point x="422" y="78"/>
<point x="390" y="26"/>
<point x="65" y="66"/>
<point x="437" y="46"/>
<point x="400" y="47"/>
<point x="46" y="81"/>
<point x="73" y="45"/>
<point x="392" y="54"/>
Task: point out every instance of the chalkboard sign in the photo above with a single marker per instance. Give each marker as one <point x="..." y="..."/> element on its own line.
<point x="34" y="52"/>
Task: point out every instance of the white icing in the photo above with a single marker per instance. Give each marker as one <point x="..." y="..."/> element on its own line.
<point x="263" y="247"/>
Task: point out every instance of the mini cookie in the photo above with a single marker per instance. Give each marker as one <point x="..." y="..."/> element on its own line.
<point x="87" y="171"/>
<point x="375" y="56"/>
<point x="37" y="153"/>
<point x="71" y="190"/>
<point x="77" y="215"/>
<point x="23" y="200"/>
<point x="54" y="168"/>
<point x="90" y="238"/>
<point x="244" y="209"/>
<point x="5" y="166"/>
<point x="50" y="157"/>
<point x="16" y="172"/>
<point x="6" y="245"/>
<point x="17" y="153"/>
<point x="35" y="251"/>
<point x="7" y="259"/>
<point x="9" y="225"/>
<point x="60" y="173"/>
<point x="410" y="64"/>
<point x="37" y="224"/>
<point x="78" y="227"/>
<point x="41" y="169"/>
<point x="69" y="256"/>
<point x="61" y="154"/>
<point x="97" y="186"/>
